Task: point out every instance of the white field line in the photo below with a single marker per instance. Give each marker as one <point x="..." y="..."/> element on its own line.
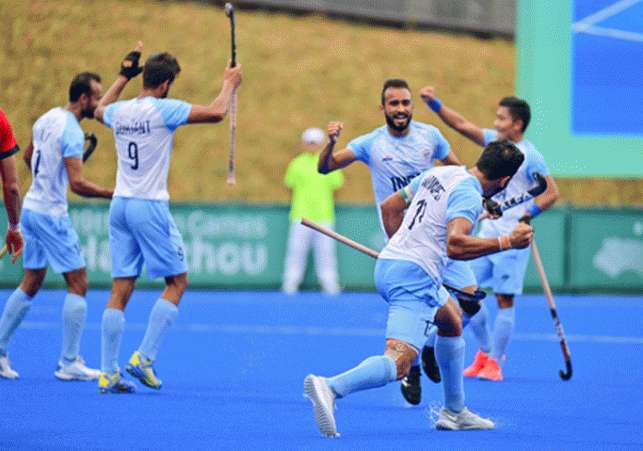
<point x="587" y="25"/>
<point x="606" y="13"/>
<point x="326" y="331"/>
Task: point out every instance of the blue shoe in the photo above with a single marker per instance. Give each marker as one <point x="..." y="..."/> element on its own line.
<point x="114" y="384"/>
<point x="143" y="370"/>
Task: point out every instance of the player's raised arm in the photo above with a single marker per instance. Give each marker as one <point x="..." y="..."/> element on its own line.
<point x="129" y="70"/>
<point x="452" y="118"/>
<point x="217" y="110"/>
<point x="329" y="161"/>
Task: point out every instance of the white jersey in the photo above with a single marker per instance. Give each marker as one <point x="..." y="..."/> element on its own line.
<point x="144" y="131"/>
<point x="439" y="195"/>
<point x="395" y="161"/>
<point x="56" y="136"/>
<point x="519" y="183"/>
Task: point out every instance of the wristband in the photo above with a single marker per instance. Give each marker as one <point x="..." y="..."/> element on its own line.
<point x="534" y="210"/>
<point x="14" y="227"/>
<point x="504" y="243"/>
<point x="435" y="105"/>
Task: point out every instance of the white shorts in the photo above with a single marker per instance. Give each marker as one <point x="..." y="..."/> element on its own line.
<point x="143" y="231"/>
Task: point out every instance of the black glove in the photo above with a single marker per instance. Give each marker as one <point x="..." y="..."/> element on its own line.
<point x="526" y="219"/>
<point x="131" y="70"/>
<point x="492" y="207"/>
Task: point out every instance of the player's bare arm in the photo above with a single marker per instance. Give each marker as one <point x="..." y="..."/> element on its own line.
<point x="462" y="246"/>
<point x="79" y="185"/>
<point x="393" y="209"/>
<point x="452" y="118"/>
<point x="548" y="197"/>
<point x="451" y="160"/>
<point x="329" y="161"/>
<point x="217" y="110"/>
<point x="28" y="153"/>
<point x="11" y="191"/>
<point x="129" y="69"/>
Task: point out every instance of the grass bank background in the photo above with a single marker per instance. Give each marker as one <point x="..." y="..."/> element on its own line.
<point x="299" y="71"/>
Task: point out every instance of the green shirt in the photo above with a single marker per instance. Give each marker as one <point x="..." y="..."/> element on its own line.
<point x="312" y="192"/>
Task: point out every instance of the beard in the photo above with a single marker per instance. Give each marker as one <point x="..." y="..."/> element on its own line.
<point x="390" y="121"/>
<point x="89" y="112"/>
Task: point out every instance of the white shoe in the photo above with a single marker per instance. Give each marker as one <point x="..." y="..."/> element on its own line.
<point x="323" y="400"/>
<point x="465" y="420"/>
<point x="5" y="369"/>
<point x="76" y="371"/>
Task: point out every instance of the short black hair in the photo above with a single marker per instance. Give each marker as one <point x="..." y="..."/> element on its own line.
<point x="518" y="109"/>
<point x="499" y="159"/>
<point x="394" y="83"/>
<point x="158" y="68"/>
<point x="81" y="84"/>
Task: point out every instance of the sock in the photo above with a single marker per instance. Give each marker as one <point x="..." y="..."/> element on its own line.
<point x="480" y="328"/>
<point x="449" y="352"/>
<point x="15" y="310"/>
<point x="74" y="313"/>
<point x="504" y="327"/>
<point x="161" y="318"/>
<point x="112" y="327"/>
<point x="373" y="372"/>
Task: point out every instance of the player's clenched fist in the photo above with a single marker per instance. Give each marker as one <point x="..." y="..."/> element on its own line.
<point x="427" y="93"/>
<point x="521" y="236"/>
<point x="334" y="129"/>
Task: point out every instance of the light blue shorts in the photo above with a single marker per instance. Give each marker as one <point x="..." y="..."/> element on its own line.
<point x="413" y="297"/>
<point x="458" y="274"/>
<point x="50" y="241"/>
<point x="503" y="272"/>
<point x="143" y="231"/>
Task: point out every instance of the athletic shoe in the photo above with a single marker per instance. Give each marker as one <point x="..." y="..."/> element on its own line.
<point x="5" y="369"/>
<point x="323" y="400"/>
<point x="430" y="365"/>
<point x="76" y="371"/>
<point x="465" y="420"/>
<point x="114" y="384"/>
<point x="143" y="370"/>
<point x="491" y="371"/>
<point x="410" y="387"/>
<point x="479" y="361"/>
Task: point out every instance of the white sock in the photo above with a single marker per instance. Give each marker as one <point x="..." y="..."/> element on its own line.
<point x="112" y="327"/>
<point x="480" y="328"/>
<point x="449" y="352"/>
<point x="74" y="313"/>
<point x="161" y="318"/>
<point x="15" y="310"/>
<point x="504" y="327"/>
<point x="373" y="372"/>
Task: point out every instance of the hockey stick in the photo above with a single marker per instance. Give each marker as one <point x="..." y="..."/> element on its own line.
<point x="233" y="101"/>
<point x="552" y="307"/>
<point x="477" y="296"/>
<point x="495" y="208"/>
<point x="90" y="146"/>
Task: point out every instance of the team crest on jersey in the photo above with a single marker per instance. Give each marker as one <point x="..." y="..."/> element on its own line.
<point x="427" y="153"/>
<point x="387" y="158"/>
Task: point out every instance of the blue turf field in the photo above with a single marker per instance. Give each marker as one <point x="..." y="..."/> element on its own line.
<point x="234" y="363"/>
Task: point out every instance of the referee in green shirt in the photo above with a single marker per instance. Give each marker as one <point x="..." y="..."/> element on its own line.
<point x="312" y="197"/>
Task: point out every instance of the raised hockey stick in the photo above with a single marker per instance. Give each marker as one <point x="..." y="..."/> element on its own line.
<point x="495" y="208"/>
<point x="229" y="10"/>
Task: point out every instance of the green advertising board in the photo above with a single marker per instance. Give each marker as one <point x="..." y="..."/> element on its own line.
<point x="243" y="247"/>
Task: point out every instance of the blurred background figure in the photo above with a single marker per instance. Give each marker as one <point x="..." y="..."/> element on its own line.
<point x="312" y="198"/>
